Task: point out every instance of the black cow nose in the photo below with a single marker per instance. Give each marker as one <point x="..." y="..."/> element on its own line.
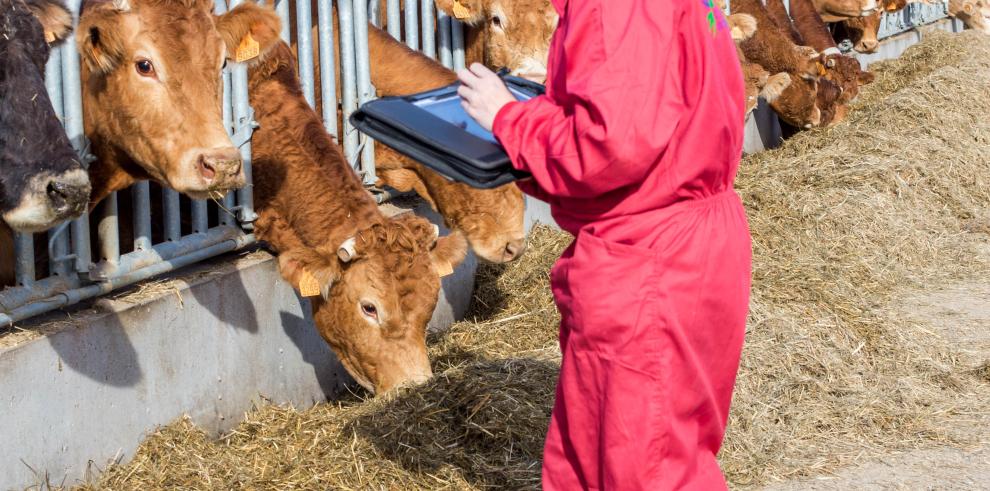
<point x="58" y="195"/>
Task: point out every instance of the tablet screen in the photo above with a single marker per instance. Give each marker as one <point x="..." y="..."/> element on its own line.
<point x="448" y="108"/>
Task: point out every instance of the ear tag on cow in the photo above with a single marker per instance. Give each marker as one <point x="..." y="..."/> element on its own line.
<point x="248" y="49"/>
<point x="460" y="11"/>
<point x="308" y="285"/>
<point x="444" y="269"/>
<point x="821" y="69"/>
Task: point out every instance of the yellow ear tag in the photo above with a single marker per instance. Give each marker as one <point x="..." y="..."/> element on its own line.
<point x="444" y="269"/>
<point x="49" y="37"/>
<point x="248" y="49"/>
<point x="308" y="286"/>
<point x="460" y="11"/>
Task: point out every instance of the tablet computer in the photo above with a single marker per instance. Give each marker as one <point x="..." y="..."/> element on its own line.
<point x="433" y="129"/>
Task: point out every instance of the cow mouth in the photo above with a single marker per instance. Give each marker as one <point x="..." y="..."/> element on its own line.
<point x="48" y="201"/>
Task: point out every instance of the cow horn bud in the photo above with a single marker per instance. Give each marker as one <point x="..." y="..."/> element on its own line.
<point x="122" y="5"/>
<point x="346" y="251"/>
<point x="436" y="231"/>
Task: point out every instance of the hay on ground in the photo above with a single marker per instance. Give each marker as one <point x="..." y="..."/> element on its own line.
<point x="842" y="219"/>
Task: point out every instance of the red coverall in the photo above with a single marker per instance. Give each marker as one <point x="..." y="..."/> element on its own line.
<point x="635" y="147"/>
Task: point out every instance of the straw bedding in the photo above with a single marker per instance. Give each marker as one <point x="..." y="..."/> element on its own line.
<point x="895" y="198"/>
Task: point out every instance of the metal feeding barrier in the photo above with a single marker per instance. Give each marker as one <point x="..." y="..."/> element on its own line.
<point x="182" y="231"/>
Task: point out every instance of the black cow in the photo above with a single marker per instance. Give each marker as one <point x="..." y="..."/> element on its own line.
<point x="42" y="182"/>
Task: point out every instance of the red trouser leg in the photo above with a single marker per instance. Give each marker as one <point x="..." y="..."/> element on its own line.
<point x="651" y="339"/>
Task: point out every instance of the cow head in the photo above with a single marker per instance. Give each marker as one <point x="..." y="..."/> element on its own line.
<point x="152" y="87"/>
<point x="974" y="13"/>
<point x="41" y="179"/>
<point x="514" y="34"/>
<point x="492" y="220"/>
<point x="797" y="106"/>
<point x="828" y="101"/>
<point x="863" y="31"/>
<point x="374" y="295"/>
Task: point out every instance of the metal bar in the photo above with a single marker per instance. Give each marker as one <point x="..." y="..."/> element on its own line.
<point x="457" y="43"/>
<point x="72" y="120"/>
<point x="228" y="120"/>
<point x="70" y="297"/>
<point x="348" y="77"/>
<point x="429" y="29"/>
<point x="328" y="77"/>
<point x="304" y="48"/>
<point x="53" y="84"/>
<point x="375" y="13"/>
<point x="446" y="51"/>
<point x="412" y="24"/>
<point x="282" y="9"/>
<point x="173" y="222"/>
<point x="365" y="91"/>
<point x="394" y="22"/>
<point x="141" y="195"/>
<point x="24" y="262"/>
<point x="200" y="221"/>
<point x="107" y="231"/>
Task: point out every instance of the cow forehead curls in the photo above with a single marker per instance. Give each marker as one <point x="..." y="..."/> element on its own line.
<point x="186" y="33"/>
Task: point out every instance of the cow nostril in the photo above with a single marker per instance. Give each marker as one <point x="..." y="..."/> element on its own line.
<point x="206" y="168"/>
<point x="57" y="194"/>
<point x="514" y="249"/>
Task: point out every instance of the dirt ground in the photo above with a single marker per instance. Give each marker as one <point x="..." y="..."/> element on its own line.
<point x="961" y="313"/>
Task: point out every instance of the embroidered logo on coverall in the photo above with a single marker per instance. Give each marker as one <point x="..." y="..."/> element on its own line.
<point x="716" y="22"/>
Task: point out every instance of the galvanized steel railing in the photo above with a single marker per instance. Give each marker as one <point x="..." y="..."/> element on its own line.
<point x="74" y="273"/>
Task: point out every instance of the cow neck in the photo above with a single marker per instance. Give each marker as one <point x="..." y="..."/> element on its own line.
<point x="318" y="193"/>
<point x="112" y="170"/>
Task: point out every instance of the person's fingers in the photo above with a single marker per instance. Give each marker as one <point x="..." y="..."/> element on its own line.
<point x="479" y="70"/>
<point x="467" y="77"/>
<point x="467" y="93"/>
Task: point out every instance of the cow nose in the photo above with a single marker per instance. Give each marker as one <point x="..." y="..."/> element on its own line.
<point x="870" y="46"/>
<point x="514" y="249"/>
<point x="66" y="197"/>
<point x="224" y="162"/>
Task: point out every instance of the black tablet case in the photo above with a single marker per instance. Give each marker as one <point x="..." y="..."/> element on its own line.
<point x="411" y="130"/>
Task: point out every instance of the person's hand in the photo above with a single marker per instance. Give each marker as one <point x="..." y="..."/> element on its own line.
<point x="483" y="94"/>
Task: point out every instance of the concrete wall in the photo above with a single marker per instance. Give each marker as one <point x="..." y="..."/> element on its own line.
<point x="79" y="389"/>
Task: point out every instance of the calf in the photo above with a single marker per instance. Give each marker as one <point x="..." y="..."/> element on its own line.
<point x="42" y="182"/>
<point x="513" y="34"/>
<point x="863" y="31"/>
<point x="151" y="92"/>
<point x="491" y="219"/>
<point x="374" y="280"/>
<point x="974" y="13"/>
<point x="845" y="71"/>
<point x="759" y="82"/>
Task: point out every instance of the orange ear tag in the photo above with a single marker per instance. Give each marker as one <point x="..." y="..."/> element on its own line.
<point x="308" y="285"/>
<point x="444" y="269"/>
<point x="460" y="11"/>
<point x="248" y="49"/>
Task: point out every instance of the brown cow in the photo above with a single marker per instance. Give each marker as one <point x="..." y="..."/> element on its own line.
<point x="845" y="71"/>
<point x="493" y="220"/>
<point x="759" y="82"/>
<point x="771" y="47"/>
<point x="513" y="34"/>
<point x="374" y="280"/>
<point x="974" y="13"/>
<point x="151" y="92"/>
<point x="862" y="32"/>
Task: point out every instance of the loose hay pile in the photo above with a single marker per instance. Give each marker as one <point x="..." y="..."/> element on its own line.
<point x="841" y="220"/>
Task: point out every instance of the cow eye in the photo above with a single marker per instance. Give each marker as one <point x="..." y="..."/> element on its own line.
<point x="497" y="21"/>
<point x="369" y="310"/>
<point x="145" y="68"/>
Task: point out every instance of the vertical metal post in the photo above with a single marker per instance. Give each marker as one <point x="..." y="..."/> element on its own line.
<point x="200" y="221"/>
<point x="242" y="109"/>
<point x="304" y="48"/>
<point x="108" y="231"/>
<point x="394" y="22"/>
<point x="365" y="92"/>
<point x="429" y="29"/>
<point x="141" y="195"/>
<point x="73" y="122"/>
<point x="53" y="84"/>
<point x="228" y="202"/>
<point x="348" y="77"/>
<point x="375" y="13"/>
<point x="282" y="9"/>
<point x="328" y="77"/>
<point x="446" y="43"/>
<point x="457" y="43"/>
<point x="412" y="26"/>
<point x="24" y="262"/>
<point x="173" y="223"/>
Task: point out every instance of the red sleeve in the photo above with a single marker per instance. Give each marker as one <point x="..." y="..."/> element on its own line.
<point x="612" y="115"/>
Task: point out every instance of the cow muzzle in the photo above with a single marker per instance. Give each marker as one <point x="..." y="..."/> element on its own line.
<point x="49" y="200"/>
<point x="212" y="172"/>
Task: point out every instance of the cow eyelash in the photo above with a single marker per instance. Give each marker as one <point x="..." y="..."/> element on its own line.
<point x="369" y="310"/>
<point x="145" y="68"/>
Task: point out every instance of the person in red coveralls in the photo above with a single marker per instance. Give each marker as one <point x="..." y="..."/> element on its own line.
<point x="635" y="146"/>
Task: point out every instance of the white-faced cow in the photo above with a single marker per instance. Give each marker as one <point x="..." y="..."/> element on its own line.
<point x="42" y="182"/>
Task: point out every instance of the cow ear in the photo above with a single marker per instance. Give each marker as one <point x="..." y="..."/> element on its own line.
<point x="469" y="11"/>
<point x="100" y="39"/>
<point x="249" y="31"/>
<point x="54" y="17"/>
<point x="742" y="26"/>
<point x="308" y="271"/>
<point x="865" y="77"/>
<point x="449" y="253"/>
